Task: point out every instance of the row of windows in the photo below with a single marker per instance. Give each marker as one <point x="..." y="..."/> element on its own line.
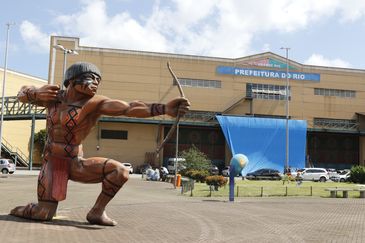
<point x="200" y="83"/>
<point x="266" y="91"/>
<point x="335" y="92"/>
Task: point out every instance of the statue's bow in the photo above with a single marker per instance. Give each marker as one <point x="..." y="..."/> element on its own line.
<point x="169" y="134"/>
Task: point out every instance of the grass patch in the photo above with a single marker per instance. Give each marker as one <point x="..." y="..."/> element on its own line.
<point x="252" y="188"/>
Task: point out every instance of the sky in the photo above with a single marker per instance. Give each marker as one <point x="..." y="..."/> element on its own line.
<point x="324" y="33"/>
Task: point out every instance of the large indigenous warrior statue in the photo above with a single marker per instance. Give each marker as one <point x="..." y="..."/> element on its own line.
<point x="71" y="115"/>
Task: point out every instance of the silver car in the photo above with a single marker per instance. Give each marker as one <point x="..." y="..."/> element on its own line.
<point x="7" y="166"/>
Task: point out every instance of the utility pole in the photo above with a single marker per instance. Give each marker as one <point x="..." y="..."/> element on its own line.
<point x="287" y="108"/>
<point x="3" y="90"/>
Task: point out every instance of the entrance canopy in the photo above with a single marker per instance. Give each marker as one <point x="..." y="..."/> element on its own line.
<point x="263" y="141"/>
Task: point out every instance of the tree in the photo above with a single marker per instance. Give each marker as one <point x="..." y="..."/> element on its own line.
<point x="40" y="138"/>
<point x="195" y="159"/>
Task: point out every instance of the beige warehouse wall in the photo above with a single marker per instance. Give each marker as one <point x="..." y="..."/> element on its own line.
<point x="141" y="139"/>
<point x="15" y="80"/>
<point x="130" y="75"/>
<point x="18" y="133"/>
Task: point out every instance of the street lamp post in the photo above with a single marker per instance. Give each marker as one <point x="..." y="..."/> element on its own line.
<point x="65" y="52"/>
<point x="287" y="108"/>
<point x="3" y="90"/>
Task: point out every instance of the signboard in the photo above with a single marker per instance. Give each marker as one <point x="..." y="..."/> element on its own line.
<point x="261" y="73"/>
<point x="270" y="63"/>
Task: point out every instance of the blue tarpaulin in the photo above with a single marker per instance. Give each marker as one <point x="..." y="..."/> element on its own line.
<point x="263" y="141"/>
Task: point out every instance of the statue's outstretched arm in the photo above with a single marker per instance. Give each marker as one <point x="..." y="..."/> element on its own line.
<point x="141" y="109"/>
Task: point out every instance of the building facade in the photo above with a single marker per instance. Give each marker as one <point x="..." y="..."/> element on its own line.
<point x="330" y="99"/>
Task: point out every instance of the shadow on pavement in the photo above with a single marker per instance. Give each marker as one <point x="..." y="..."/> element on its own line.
<point x="59" y="222"/>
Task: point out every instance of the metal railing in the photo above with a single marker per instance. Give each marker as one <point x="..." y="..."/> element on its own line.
<point x="203" y="116"/>
<point x="335" y="124"/>
<point x="13" y="107"/>
<point x="15" y="153"/>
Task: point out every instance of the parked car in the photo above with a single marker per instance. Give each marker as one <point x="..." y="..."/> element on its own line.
<point x="262" y="174"/>
<point x="225" y="171"/>
<point x="129" y="167"/>
<point x="213" y="170"/>
<point x="331" y="172"/>
<point x="171" y="165"/>
<point x="7" y="166"/>
<point x="342" y="176"/>
<point x="314" y="174"/>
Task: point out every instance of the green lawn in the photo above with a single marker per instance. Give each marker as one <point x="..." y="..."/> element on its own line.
<point x="251" y="188"/>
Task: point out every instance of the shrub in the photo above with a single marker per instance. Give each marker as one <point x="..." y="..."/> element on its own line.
<point x="197" y="175"/>
<point x="357" y="174"/>
<point x="216" y="181"/>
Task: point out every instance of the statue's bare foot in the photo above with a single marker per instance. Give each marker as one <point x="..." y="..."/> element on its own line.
<point x="37" y="211"/>
<point x="24" y="211"/>
<point x="100" y="218"/>
<point x="18" y="211"/>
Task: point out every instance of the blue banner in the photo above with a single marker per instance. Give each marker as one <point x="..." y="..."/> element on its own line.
<point x="261" y="73"/>
<point x="263" y="141"/>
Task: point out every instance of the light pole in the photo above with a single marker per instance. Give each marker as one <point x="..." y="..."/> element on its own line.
<point x="287" y="107"/>
<point x="3" y="90"/>
<point x="65" y="52"/>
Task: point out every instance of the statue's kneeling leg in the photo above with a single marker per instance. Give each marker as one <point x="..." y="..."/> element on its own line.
<point x="38" y="211"/>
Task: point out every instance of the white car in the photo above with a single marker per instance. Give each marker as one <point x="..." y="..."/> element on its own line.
<point x="342" y="176"/>
<point x="129" y="166"/>
<point x="225" y="171"/>
<point x="314" y="174"/>
<point x="7" y="166"/>
<point x="171" y="165"/>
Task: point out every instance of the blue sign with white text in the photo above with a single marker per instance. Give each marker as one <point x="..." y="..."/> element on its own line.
<point x="261" y="73"/>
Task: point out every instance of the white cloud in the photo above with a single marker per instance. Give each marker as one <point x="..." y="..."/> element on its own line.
<point x="319" y="60"/>
<point x="352" y="10"/>
<point x="96" y="28"/>
<point x="34" y="38"/>
<point x="266" y="47"/>
<point x="223" y="28"/>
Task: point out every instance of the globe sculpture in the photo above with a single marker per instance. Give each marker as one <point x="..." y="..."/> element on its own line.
<point x="238" y="162"/>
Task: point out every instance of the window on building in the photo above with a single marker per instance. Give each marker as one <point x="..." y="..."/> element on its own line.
<point x="335" y="92"/>
<point x="114" y="134"/>
<point x="266" y="91"/>
<point x="200" y="83"/>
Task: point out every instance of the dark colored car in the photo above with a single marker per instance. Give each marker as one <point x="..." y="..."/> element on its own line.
<point x="214" y="170"/>
<point x="264" y="174"/>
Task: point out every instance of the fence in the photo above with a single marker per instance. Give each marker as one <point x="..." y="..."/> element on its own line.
<point x="314" y="189"/>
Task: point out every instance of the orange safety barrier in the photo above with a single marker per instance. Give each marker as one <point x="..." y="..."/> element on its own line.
<point x="178" y="180"/>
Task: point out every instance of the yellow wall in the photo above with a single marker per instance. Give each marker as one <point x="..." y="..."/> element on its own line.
<point x="141" y="139"/>
<point x="17" y="133"/>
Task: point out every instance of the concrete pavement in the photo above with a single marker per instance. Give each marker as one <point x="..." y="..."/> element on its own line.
<point x="156" y="212"/>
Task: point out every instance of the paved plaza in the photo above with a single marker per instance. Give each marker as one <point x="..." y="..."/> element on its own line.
<point x="156" y="212"/>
